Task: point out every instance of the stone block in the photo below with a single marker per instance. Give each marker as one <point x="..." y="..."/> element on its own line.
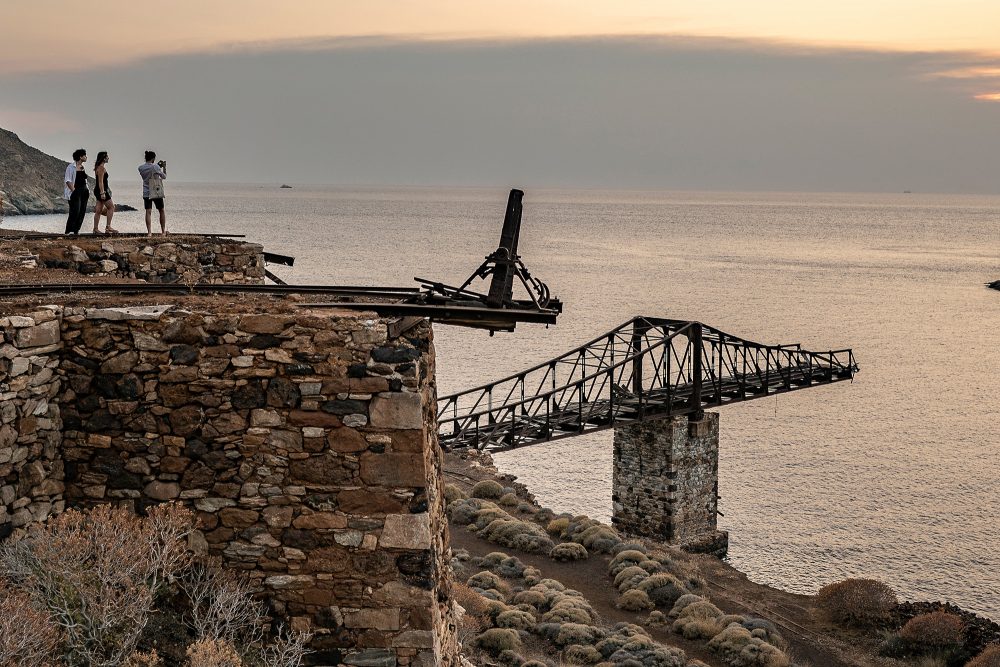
<point x="46" y="333"/>
<point x="406" y="531"/>
<point x="396" y="410"/>
<point x="162" y="490"/>
<point x="377" y="619"/>
<point x="391" y="469"/>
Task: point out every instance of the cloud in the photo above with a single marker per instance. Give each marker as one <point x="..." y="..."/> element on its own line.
<point x="44" y="123"/>
<point x="658" y="112"/>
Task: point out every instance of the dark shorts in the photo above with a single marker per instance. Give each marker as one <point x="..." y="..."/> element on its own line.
<point x="148" y="203"/>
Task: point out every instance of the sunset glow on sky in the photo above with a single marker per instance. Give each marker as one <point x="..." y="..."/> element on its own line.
<point x="46" y="31"/>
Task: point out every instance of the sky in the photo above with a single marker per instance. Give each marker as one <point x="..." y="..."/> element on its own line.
<point x="881" y="95"/>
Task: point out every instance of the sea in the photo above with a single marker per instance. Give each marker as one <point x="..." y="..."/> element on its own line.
<point x="892" y="476"/>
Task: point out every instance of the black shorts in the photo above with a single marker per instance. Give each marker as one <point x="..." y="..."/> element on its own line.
<point x="148" y="203"/>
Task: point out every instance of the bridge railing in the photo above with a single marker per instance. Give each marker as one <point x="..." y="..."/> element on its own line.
<point x="645" y="368"/>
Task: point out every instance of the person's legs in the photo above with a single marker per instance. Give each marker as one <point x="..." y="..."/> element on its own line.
<point x="163" y="220"/>
<point x="82" y="212"/>
<point x="77" y="209"/>
<point x="98" y="209"/>
<point x="109" y="210"/>
<point x="72" y="213"/>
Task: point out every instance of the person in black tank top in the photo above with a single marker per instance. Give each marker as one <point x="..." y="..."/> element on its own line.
<point x="76" y="186"/>
<point x="104" y="205"/>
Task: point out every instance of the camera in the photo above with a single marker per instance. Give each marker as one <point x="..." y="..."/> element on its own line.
<point x="162" y="163"/>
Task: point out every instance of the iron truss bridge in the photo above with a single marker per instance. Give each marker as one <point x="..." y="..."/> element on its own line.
<point x="646" y="369"/>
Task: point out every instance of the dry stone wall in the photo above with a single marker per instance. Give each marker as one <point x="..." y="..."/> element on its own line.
<point x="31" y="466"/>
<point x="305" y="441"/>
<point x="155" y="259"/>
<point x="665" y="482"/>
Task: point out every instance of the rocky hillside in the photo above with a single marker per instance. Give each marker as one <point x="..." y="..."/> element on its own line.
<point x="30" y="180"/>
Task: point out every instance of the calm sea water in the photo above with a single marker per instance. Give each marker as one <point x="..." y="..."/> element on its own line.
<point x="894" y="476"/>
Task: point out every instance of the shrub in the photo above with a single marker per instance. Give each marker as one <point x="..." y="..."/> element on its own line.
<point x="516" y="619"/>
<point x="497" y="640"/>
<point x="629" y="546"/>
<point x="577" y="633"/>
<point x="656" y="619"/>
<point x="486" y="581"/>
<point x="599" y="538"/>
<point x="213" y="653"/>
<point x="568" y="551"/>
<point x="990" y="657"/>
<point x="557" y="526"/>
<point x="663" y="589"/>
<point x="582" y="655"/>
<point x="530" y="597"/>
<point x="682" y="602"/>
<point x="937" y="629"/>
<point x="487" y="488"/>
<point x="462" y="512"/>
<point x="96" y="574"/>
<point x="502" y="564"/>
<point x="508" y="500"/>
<point x="516" y="534"/>
<point x="739" y="648"/>
<point x="698" y="620"/>
<point x="860" y="602"/>
<point x="634" y="600"/>
<point x="645" y="651"/>
<point x="625" y="559"/>
<point x="629" y="578"/>
<point x="26" y="636"/>
<point x="453" y="492"/>
<point x="532" y="575"/>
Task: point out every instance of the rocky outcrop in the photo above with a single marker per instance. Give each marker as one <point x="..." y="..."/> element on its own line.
<point x="30" y="180"/>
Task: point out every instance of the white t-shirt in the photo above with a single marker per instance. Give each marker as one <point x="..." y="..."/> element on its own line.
<point x="69" y="178"/>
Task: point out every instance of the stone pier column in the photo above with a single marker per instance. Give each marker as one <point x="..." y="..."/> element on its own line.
<point x="665" y="482"/>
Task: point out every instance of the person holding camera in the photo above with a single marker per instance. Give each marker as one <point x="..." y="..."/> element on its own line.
<point x="153" y="174"/>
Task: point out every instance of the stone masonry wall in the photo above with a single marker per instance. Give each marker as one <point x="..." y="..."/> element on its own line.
<point x="31" y="466"/>
<point x="306" y="441"/>
<point x="665" y="482"/>
<point x="155" y="259"/>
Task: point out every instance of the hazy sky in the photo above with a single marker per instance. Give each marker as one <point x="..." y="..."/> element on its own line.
<point x="877" y="95"/>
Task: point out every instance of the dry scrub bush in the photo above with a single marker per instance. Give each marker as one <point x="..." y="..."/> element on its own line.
<point x="463" y="511"/>
<point x="663" y="589"/>
<point x="453" y="492"/>
<point x="224" y="612"/>
<point x="568" y="551"/>
<point x="625" y="559"/>
<point x="656" y="619"/>
<point x="532" y="575"/>
<point x="515" y="534"/>
<point x="937" y="629"/>
<point x="577" y="633"/>
<point x="699" y="620"/>
<point x="515" y="619"/>
<point x="634" y="601"/>
<point x="739" y="648"/>
<point x="509" y="500"/>
<point x="496" y="640"/>
<point x="990" y="657"/>
<point x="557" y="526"/>
<point x="630" y="577"/>
<point x="487" y="489"/>
<point x="26" y="636"/>
<point x="502" y="564"/>
<point x="151" y="659"/>
<point x="643" y="650"/>
<point x="582" y="655"/>
<point x="96" y="574"/>
<point x="861" y="602"/>
<point x="213" y="653"/>
<point x="682" y="602"/>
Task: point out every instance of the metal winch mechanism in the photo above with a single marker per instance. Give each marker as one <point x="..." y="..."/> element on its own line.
<point x="500" y="267"/>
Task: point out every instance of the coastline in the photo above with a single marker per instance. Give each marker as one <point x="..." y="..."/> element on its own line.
<point x="810" y="636"/>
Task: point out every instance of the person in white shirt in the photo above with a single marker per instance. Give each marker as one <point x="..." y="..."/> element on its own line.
<point x="75" y="191"/>
<point x="153" y="175"/>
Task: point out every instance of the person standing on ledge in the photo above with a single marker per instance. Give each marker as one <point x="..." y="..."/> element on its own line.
<point x="104" y="204"/>
<point x="75" y="191"/>
<point x="152" y="190"/>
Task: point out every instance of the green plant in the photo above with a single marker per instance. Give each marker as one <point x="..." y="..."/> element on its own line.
<point x="516" y="619"/>
<point x="860" y="602"/>
<point x="630" y="577"/>
<point x="557" y="526"/>
<point x="453" y="492"/>
<point x="582" y="655"/>
<point x="508" y="500"/>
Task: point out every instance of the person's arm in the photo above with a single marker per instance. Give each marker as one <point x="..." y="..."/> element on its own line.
<point x="99" y="173"/>
<point x="70" y="177"/>
<point x="161" y="172"/>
